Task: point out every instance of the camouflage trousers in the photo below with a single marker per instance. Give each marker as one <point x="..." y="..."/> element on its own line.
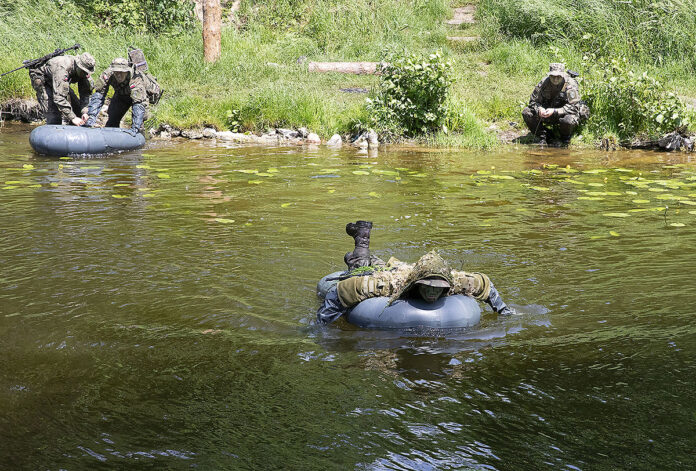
<point x="566" y="124"/>
<point x="118" y="107"/>
<point x="44" y="95"/>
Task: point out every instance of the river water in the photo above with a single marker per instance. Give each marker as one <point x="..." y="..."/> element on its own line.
<point x="157" y="310"/>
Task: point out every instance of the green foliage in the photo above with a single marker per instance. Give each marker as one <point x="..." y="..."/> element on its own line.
<point x="412" y="94"/>
<point x="628" y="104"/>
<point x="234" y="121"/>
<point x="137" y="15"/>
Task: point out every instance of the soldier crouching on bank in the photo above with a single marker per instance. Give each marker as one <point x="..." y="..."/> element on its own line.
<point x="555" y="103"/>
<point x="430" y="278"/>
<point x="129" y="91"/>
<point x="51" y="82"/>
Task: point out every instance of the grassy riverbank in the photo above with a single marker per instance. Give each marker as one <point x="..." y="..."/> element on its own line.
<point x="258" y="74"/>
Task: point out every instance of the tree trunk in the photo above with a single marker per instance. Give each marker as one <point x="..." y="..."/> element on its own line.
<point x="212" y="18"/>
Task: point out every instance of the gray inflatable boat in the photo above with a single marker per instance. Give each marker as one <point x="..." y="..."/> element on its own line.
<point x="456" y="311"/>
<point x="58" y="140"/>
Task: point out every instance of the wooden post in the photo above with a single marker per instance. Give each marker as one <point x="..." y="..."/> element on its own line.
<point x="212" y="18"/>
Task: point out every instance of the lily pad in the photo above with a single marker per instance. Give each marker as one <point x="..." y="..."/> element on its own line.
<point x="147" y="155"/>
<point x="657" y="190"/>
<point x="632" y="193"/>
<point x="595" y="184"/>
<point x="595" y="171"/>
<point x="265" y="174"/>
<point x="163" y="175"/>
<point x="614" y="233"/>
<point x="574" y="182"/>
<point x="331" y="191"/>
<point x="502" y="177"/>
<point x="590" y="198"/>
<point x="330" y="170"/>
<point x="641" y="201"/>
<point x="28" y="167"/>
<point x="224" y="220"/>
<point x="616" y="215"/>
<point x="255" y="182"/>
<point x="119" y="196"/>
<point x="273" y="170"/>
<point x="692" y="212"/>
<point x="688" y="202"/>
<point x="540" y="188"/>
<point x="360" y="172"/>
<point x="677" y="224"/>
<point x="285" y="205"/>
<point x="247" y="171"/>
<point x="374" y="194"/>
<point x="142" y="166"/>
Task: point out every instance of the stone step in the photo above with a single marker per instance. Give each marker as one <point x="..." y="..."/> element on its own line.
<point x="462" y="15"/>
<point x="463" y="39"/>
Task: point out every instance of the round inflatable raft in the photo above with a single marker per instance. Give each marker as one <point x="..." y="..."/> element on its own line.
<point x="448" y="312"/>
<point x="57" y="140"/>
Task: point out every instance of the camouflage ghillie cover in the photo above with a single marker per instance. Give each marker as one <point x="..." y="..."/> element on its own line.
<point x="429" y="265"/>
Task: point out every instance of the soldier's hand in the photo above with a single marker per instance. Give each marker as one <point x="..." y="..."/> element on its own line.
<point x="545" y="112"/>
<point x="85" y="117"/>
<point x="77" y="121"/>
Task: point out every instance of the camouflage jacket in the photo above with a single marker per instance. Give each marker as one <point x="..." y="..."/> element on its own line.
<point x="59" y="73"/>
<point x="398" y="278"/>
<point x="133" y="87"/>
<point x="565" y="99"/>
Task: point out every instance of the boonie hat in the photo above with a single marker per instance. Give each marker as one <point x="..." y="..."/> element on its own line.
<point x="86" y="62"/>
<point x="556" y="68"/>
<point x="434" y="281"/>
<point x="120" y="65"/>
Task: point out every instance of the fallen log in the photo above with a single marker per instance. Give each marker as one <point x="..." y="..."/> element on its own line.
<point x="357" y="68"/>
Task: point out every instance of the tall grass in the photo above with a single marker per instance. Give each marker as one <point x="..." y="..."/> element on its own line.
<point x="648" y="31"/>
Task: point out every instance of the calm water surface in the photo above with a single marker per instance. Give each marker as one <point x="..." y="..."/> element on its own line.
<point x="157" y="310"/>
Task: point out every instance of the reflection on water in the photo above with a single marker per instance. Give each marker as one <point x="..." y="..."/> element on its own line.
<point x="158" y="308"/>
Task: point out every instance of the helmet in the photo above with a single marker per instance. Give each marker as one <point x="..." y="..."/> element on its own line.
<point x="86" y="62"/>
<point x="120" y="65"/>
<point x="434" y="281"/>
<point x="556" y="68"/>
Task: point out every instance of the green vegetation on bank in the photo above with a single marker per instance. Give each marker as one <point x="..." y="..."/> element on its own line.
<point x="258" y="82"/>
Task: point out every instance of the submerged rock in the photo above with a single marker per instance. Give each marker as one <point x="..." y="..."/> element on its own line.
<point x="335" y="141"/>
<point x="313" y="138"/>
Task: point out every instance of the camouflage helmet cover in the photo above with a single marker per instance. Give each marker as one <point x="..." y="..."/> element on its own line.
<point x="86" y="62"/>
<point x="556" y="68"/>
<point x="120" y="65"/>
<point x="430" y="269"/>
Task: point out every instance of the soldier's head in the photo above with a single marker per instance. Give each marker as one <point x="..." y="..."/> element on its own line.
<point x="121" y="70"/>
<point x="85" y="64"/>
<point x="556" y="73"/>
<point x="432" y="288"/>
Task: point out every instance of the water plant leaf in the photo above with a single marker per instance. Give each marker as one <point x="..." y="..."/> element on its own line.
<point x="331" y="191"/>
<point x="64" y="158"/>
<point x="329" y="170"/>
<point x="9" y="187"/>
<point x="255" y="182"/>
<point x="365" y="166"/>
<point x="374" y="194"/>
<point x="574" y="182"/>
<point x="614" y="233"/>
<point x="285" y="205"/>
<point x="641" y="201"/>
<point x="657" y="190"/>
<point x="163" y="175"/>
<point x="688" y="202"/>
<point x="360" y="172"/>
<point x="147" y="155"/>
<point x="632" y="193"/>
<point x="616" y="215"/>
<point x="273" y="170"/>
<point x="119" y="196"/>
<point x="677" y="224"/>
<point x="590" y="198"/>
<point x="419" y="175"/>
<point x="540" y="188"/>
<point x="28" y="167"/>
<point x="148" y="195"/>
<point x="264" y="174"/>
<point x="692" y="212"/>
<point x="502" y="177"/>
<point x="121" y="184"/>
<point x="595" y="184"/>
<point x="595" y="171"/>
<point x="224" y="220"/>
<point x="242" y="170"/>
<point x="483" y="172"/>
<point x="142" y="166"/>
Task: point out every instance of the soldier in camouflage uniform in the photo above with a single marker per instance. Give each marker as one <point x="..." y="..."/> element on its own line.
<point x="52" y="81"/>
<point x="555" y="102"/>
<point x="430" y="278"/>
<point x="129" y="91"/>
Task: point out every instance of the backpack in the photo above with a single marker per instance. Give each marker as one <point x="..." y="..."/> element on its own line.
<point x="153" y="89"/>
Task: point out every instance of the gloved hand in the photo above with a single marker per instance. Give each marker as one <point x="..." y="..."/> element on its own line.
<point x="508" y="311"/>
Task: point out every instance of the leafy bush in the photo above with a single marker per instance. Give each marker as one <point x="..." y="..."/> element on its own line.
<point x="412" y="95"/>
<point x="139" y="15"/>
<point x="629" y="104"/>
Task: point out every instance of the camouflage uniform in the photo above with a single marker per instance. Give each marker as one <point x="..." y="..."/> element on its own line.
<point x="128" y="93"/>
<point x="52" y="81"/>
<point x="564" y="99"/>
<point x="398" y="278"/>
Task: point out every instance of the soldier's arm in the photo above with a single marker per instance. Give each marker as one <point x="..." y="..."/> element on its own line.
<point x="84" y="87"/>
<point x="61" y="92"/>
<point x="573" y="99"/>
<point x="535" y="98"/>
<point x="477" y="285"/>
<point x="359" y="288"/>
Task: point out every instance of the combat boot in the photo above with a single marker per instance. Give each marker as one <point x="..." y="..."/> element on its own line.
<point x="360" y="256"/>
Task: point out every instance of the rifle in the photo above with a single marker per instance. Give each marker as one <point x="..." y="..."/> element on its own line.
<point x="33" y="63"/>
